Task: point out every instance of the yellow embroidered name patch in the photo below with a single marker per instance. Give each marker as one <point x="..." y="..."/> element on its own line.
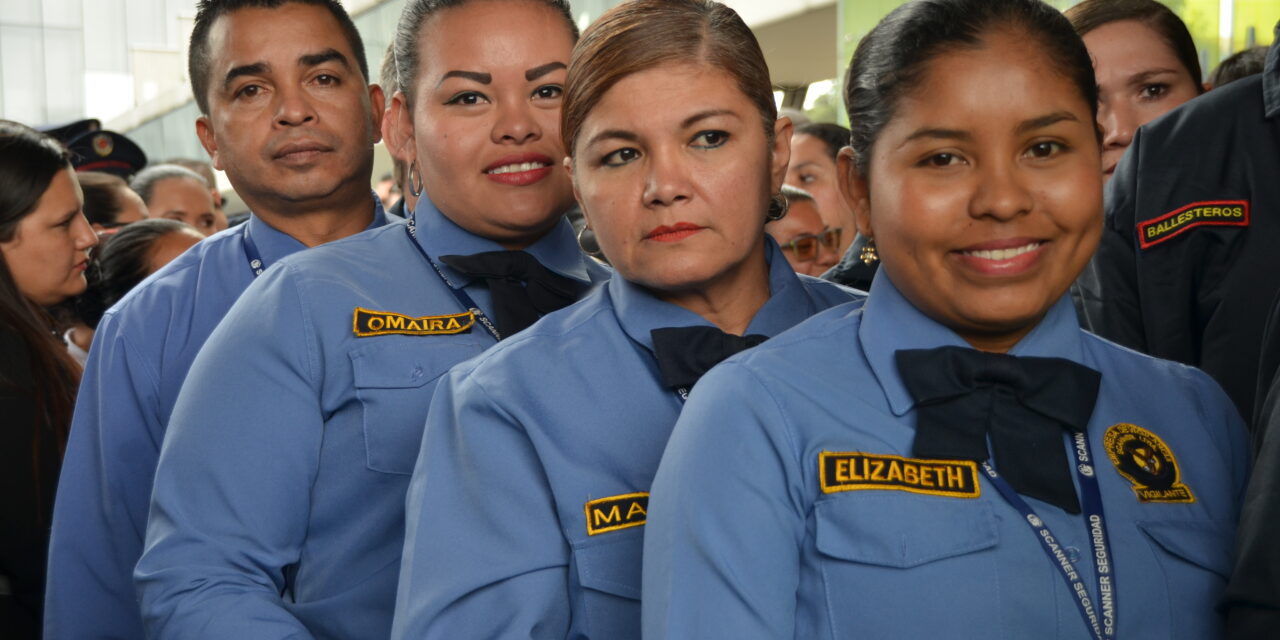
<point x="1222" y="213"/>
<point x="856" y="471"/>
<point x="1147" y="463"/>
<point x="617" y="512"/>
<point x="367" y="322"/>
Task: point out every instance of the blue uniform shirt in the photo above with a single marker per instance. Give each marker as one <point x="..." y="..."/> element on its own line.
<point x="525" y="506"/>
<point x="141" y="352"/>
<point x="278" y="508"/>
<point x="743" y="542"/>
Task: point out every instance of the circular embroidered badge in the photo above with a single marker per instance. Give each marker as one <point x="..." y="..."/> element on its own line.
<point x="1146" y="462"/>
<point x="103" y="145"/>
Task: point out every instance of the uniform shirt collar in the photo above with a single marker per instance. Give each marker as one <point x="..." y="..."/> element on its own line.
<point x="438" y="235"/>
<point x="274" y="244"/>
<point x="890" y="322"/>
<point x="640" y="312"/>
<point x="1271" y="79"/>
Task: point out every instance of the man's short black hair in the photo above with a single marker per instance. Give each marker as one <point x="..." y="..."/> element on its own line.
<point x="208" y="11"/>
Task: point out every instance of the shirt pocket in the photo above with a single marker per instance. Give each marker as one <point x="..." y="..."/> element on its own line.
<point x="609" y="577"/>
<point x="883" y="554"/>
<point x="393" y="383"/>
<point x="1196" y="558"/>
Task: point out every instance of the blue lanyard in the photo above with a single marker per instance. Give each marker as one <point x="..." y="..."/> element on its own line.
<point x="256" y="264"/>
<point x="1104" y="625"/>
<point x="458" y="292"/>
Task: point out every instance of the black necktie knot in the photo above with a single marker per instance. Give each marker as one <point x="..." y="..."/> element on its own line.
<point x="685" y="353"/>
<point x="523" y="290"/>
<point x="1024" y="404"/>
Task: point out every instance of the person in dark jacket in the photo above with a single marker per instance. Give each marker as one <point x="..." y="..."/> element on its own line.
<point x="44" y="248"/>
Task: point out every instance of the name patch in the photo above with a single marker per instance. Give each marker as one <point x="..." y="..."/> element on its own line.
<point x="1147" y="463"/>
<point x="617" y="512"/>
<point x="1221" y="213"/>
<point x="367" y="322"/>
<point x="856" y="471"/>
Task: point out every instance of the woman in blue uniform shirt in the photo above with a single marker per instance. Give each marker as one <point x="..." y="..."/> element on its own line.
<point x="526" y="511"/>
<point x="278" y="508"/>
<point x="909" y="469"/>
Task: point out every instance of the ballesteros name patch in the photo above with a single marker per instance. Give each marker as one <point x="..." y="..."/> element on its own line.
<point x="367" y="322"/>
<point x="1221" y="213"/>
<point x="857" y="471"/>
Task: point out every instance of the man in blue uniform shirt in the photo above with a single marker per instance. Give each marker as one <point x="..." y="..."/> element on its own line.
<point x="288" y="114"/>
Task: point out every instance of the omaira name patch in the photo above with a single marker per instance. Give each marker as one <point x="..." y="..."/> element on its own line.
<point x="1221" y="213"/>
<point x="617" y="512"/>
<point x="367" y="322"/>
<point x="857" y="471"/>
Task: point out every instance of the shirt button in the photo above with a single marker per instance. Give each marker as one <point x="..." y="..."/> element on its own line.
<point x="1073" y="554"/>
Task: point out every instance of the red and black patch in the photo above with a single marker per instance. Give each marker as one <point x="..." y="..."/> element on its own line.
<point x="1218" y="213"/>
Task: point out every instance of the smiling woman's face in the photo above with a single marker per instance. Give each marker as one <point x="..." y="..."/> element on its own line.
<point x="674" y="172"/>
<point x="984" y="191"/>
<point x="485" y="126"/>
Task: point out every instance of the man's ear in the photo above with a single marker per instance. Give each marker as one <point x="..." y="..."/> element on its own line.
<point x="377" y="109"/>
<point x="853" y="186"/>
<point x="397" y="129"/>
<point x="204" y="131"/>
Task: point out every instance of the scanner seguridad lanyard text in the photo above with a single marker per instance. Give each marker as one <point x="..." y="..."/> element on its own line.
<point x="256" y="264"/>
<point x="1100" y="617"/>
<point x="459" y="293"/>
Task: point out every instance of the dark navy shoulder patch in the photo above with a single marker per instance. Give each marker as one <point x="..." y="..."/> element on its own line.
<point x="367" y="322"/>
<point x="1219" y="213"/>
<point x="1147" y="463"/>
<point x="857" y="471"/>
<point x="617" y="512"/>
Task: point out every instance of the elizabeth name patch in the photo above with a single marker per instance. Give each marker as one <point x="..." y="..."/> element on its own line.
<point x="367" y="322"/>
<point x="617" y="512"/>
<point x="1147" y="463"/>
<point x="1221" y="213"/>
<point x="856" y="471"/>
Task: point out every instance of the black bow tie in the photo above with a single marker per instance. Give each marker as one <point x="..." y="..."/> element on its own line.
<point x="1024" y="403"/>
<point x="523" y="290"/>
<point x="685" y="353"/>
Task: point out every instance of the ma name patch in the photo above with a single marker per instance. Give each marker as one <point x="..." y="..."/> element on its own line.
<point x="617" y="512"/>
<point x="1147" y="463"/>
<point x="857" y="471"/>
<point x="367" y="322"/>
<point x="1221" y="213"/>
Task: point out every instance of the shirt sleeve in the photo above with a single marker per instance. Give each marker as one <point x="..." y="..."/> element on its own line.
<point x="230" y="507"/>
<point x="726" y="518"/>
<point x="485" y="554"/>
<point x="103" y="493"/>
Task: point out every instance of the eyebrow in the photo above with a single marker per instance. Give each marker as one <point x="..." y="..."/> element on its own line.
<point x="703" y="115"/>
<point x="482" y="78"/>
<point x="328" y="55"/>
<point x="1143" y="76"/>
<point x="1043" y="121"/>
<point x="305" y="60"/>
<point x="934" y="132"/>
<point x="613" y="134"/>
<point x="542" y="70"/>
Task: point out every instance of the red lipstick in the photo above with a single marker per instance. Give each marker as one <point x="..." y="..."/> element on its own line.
<point x="674" y="233"/>
<point x="519" y="170"/>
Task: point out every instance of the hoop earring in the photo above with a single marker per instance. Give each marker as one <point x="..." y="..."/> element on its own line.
<point x="587" y="242"/>
<point x="778" y="206"/>
<point x="413" y="170"/>
<point x="869" y="254"/>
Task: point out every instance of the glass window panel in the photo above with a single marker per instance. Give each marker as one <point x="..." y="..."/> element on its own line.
<point x="106" y="40"/>
<point x="24" y="12"/>
<point x="22" y="74"/>
<point x="64" y="74"/>
<point x="62" y="13"/>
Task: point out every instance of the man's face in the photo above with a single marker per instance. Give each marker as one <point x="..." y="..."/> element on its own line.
<point x="291" y="118"/>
